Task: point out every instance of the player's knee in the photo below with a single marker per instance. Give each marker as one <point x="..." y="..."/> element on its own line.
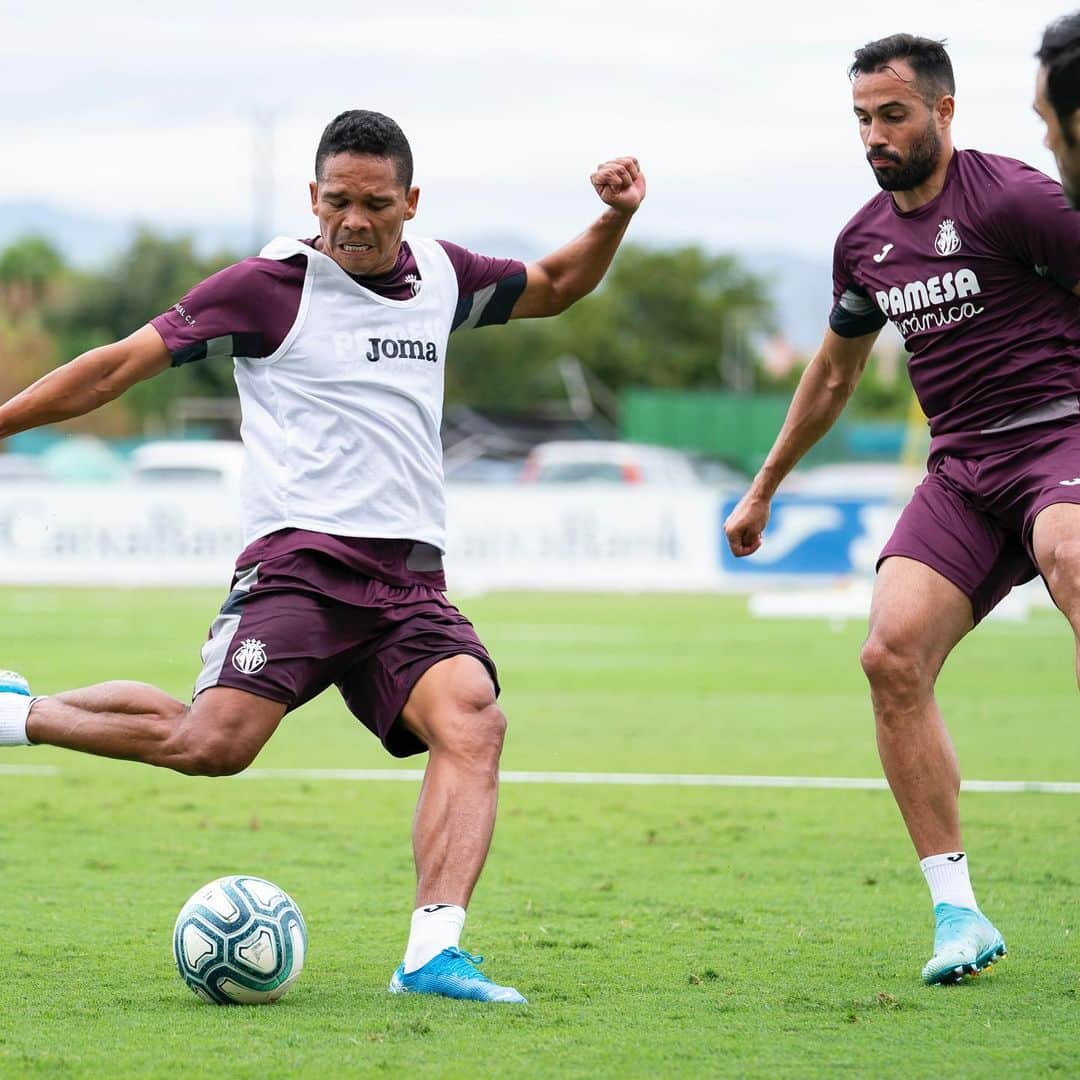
<point x="473" y="731"/>
<point x="218" y="757"/>
<point x="1064" y="569"/>
<point x="892" y="669"/>
<point x="212" y="744"/>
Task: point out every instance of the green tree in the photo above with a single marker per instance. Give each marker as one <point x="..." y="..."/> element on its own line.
<point x="146" y="279"/>
<point x="662" y="318"/>
<point x="31" y="261"/>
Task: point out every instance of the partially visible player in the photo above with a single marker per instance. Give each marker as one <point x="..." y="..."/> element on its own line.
<point x="975" y="259"/>
<point x="339" y="346"/>
<point x="1057" y="98"/>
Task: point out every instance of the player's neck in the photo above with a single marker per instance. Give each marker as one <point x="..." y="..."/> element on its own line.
<point x="929" y="189"/>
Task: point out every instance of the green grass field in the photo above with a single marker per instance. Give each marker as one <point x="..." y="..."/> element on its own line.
<point x="657" y="931"/>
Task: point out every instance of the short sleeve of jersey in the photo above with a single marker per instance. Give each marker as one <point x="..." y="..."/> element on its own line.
<point x="488" y="288"/>
<point x="244" y="310"/>
<point x="1036" y="224"/>
<point x="853" y="312"/>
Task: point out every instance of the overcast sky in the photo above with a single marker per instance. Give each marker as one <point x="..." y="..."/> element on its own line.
<point x="740" y="115"/>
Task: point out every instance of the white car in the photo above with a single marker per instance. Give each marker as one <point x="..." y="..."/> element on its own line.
<point x="600" y="462"/>
<point x="207" y="461"/>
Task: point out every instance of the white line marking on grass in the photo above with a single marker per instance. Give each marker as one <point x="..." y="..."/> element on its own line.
<point x="29" y="770"/>
<point x="414" y="776"/>
<point x="856" y="783"/>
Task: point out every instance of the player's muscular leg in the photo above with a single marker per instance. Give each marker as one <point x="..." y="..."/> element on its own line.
<point x="1056" y="543"/>
<point x="452" y="709"/>
<point x="916" y="619"/>
<point x="218" y="735"/>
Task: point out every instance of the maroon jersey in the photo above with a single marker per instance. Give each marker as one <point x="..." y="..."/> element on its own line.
<point x="979" y="282"/>
<point x="248" y="308"/>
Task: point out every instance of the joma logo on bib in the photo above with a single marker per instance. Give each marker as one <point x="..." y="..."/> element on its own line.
<point x="348" y="345"/>
<point x="391" y="349"/>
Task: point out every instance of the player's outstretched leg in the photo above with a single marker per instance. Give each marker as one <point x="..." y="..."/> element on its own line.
<point x="218" y="735"/>
<point x="452" y="709"/>
<point x="965" y="943"/>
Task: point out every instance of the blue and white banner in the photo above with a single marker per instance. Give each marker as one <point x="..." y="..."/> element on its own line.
<point x="517" y="536"/>
<point x="815" y="537"/>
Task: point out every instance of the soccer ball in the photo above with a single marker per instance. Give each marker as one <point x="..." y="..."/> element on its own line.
<point x="240" y="940"/>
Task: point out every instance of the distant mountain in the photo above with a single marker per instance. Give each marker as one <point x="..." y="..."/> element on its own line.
<point x="801" y="289"/>
<point x="88" y="241"/>
<point x="801" y="286"/>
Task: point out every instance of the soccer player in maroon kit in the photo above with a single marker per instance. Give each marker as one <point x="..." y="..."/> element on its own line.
<point x="976" y="259"/>
<point x="1057" y="98"/>
<point x="338" y="345"/>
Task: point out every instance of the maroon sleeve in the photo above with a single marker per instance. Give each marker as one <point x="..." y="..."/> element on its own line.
<point x="1037" y="226"/>
<point x="244" y="310"/>
<point x="488" y="288"/>
<point x="853" y="312"/>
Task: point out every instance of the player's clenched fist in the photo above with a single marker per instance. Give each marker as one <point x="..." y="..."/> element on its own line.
<point x="620" y="183"/>
<point x="746" y="523"/>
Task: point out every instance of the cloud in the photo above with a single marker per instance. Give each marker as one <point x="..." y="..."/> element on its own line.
<point x="741" y="121"/>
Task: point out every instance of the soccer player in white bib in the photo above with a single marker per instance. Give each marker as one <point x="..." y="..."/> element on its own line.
<point x="1057" y="98"/>
<point x="975" y="258"/>
<point x="338" y="345"/>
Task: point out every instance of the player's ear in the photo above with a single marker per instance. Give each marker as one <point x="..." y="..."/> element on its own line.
<point x="946" y="109"/>
<point x="313" y="187"/>
<point x="411" y="200"/>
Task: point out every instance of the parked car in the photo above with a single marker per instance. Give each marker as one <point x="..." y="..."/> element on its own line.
<point x="209" y="461"/>
<point x="588" y="461"/>
<point x="484" y="470"/>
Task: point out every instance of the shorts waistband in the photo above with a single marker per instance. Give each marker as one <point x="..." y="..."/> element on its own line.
<point x="424" y="557"/>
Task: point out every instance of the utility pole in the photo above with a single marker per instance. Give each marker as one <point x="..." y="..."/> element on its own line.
<point x="262" y="176"/>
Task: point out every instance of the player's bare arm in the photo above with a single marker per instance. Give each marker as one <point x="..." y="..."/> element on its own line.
<point x="556" y="281"/>
<point x="86" y="383"/>
<point x="824" y="389"/>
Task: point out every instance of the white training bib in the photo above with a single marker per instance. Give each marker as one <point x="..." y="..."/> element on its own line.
<point x="341" y="423"/>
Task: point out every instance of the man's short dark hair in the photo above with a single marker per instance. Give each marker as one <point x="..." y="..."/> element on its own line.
<point x="928" y="59"/>
<point x="1059" y="53"/>
<point x="360" y="131"/>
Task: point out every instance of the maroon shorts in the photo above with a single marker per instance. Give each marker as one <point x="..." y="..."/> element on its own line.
<point x="971" y="519"/>
<point x="308" y="611"/>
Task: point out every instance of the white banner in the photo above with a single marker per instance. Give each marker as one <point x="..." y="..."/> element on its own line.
<point x="500" y="537"/>
<point x="582" y="537"/>
<point x="120" y="534"/>
<point x="515" y="536"/>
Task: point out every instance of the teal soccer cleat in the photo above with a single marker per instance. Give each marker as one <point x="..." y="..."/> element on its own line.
<point x="965" y="943"/>
<point x="11" y="682"/>
<point x="453" y="973"/>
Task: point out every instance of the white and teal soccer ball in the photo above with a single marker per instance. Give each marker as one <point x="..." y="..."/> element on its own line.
<point x="240" y="940"/>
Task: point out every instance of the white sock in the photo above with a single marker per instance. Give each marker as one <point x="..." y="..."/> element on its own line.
<point x="947" y="876"/>
<point x="14" y="709"/>
<point x="434" y="927"/>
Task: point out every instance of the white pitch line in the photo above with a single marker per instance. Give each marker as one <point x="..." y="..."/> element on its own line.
<point x="29" y="770"/>
<point x="414" y="776"/>
<point x="856" y="783"/>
